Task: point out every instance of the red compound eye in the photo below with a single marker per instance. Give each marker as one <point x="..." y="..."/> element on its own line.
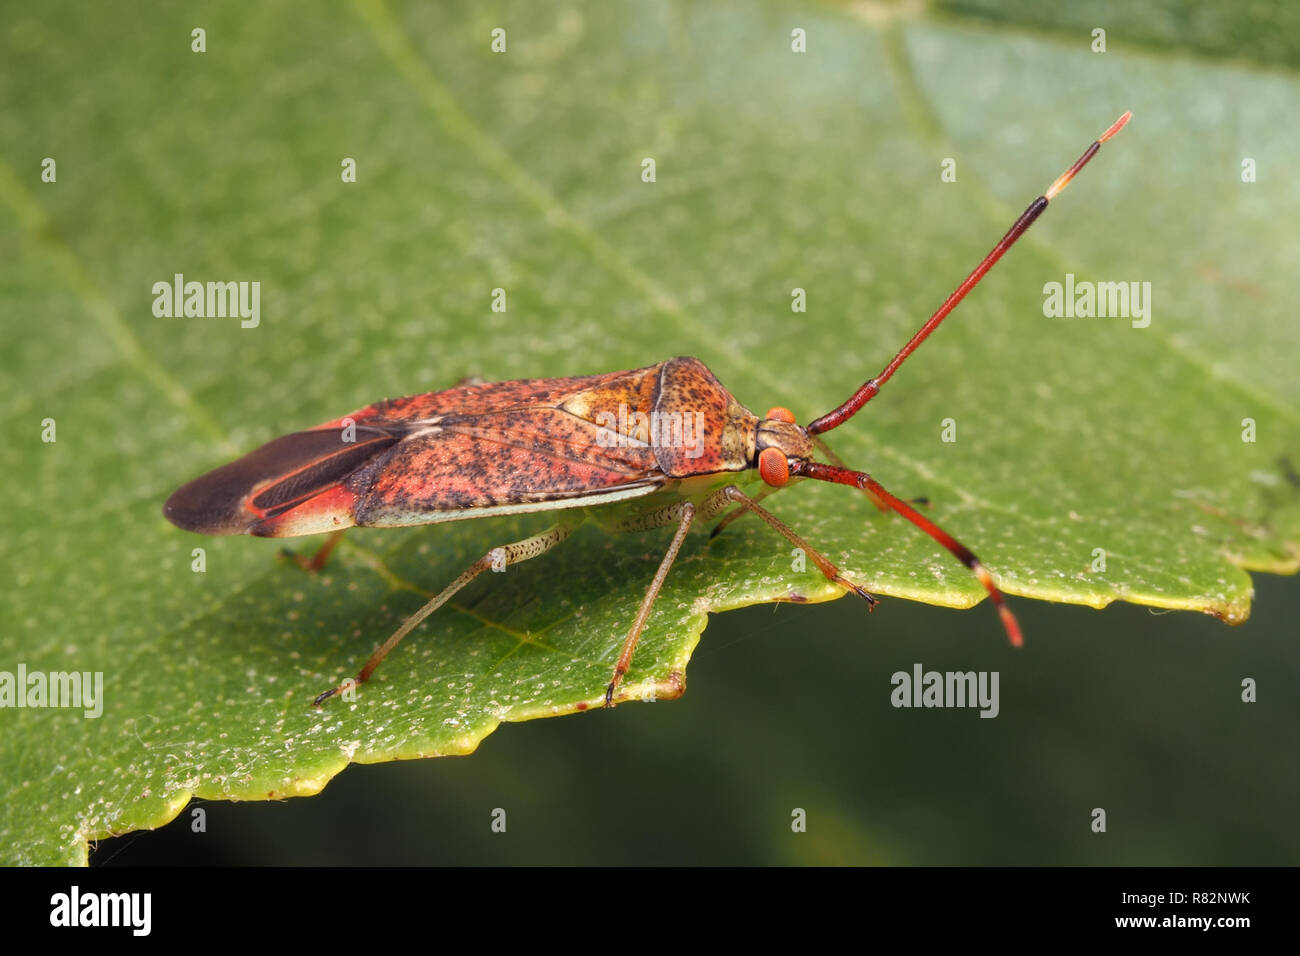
<point x="773" y="467"/>
<point x="780" y="414"/>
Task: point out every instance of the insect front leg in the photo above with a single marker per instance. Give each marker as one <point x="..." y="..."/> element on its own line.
<point x="508" y="554"/>
<point x="738" y="511"/>
<point x="823" y="564"/>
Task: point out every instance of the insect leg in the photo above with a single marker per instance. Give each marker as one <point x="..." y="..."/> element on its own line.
<point x="740" y="510"/>
<point x="507" y="554"/>
<point x="825" y="566"/>
<point x="685" y="514"/>
<point x="317" y="560"/>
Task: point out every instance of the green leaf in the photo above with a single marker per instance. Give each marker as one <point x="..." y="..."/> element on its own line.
<point x="522" y="171"/>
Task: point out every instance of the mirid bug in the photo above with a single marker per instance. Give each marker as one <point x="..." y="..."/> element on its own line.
<point x="662" y="445"/>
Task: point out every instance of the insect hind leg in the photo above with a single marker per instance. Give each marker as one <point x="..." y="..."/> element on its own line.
<point x="503" y="556"/>
<point x="317" y="560"/>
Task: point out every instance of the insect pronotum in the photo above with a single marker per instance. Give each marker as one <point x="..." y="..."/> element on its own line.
<point x="589" y="447"/>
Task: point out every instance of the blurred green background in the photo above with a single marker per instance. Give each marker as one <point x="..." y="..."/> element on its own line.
<point x="227" y="167"/>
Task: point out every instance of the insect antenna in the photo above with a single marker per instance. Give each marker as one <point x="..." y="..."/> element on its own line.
<point x="872" y="386"/>
<point x="858" y="479"/>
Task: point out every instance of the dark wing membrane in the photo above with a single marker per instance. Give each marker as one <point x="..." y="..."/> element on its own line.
<point x="274" y="479"/>
<point x="501" y="460"/>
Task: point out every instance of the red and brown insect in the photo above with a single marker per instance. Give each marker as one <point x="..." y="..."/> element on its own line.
<point x="663" y="445"/>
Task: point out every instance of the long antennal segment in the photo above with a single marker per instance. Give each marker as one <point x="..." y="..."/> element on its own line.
<point x="872" y="386"/>
<point x="858" y="479"/>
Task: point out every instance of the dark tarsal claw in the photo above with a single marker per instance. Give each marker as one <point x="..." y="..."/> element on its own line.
<point x="862" y="593"/>
<point x="324" y="697"/>
<point x="288" y="554"/>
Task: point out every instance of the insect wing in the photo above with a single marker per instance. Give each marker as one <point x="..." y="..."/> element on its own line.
<point x="275" y="479"/>
<point x="526" y="459"/>
<point x="469" y="451"/>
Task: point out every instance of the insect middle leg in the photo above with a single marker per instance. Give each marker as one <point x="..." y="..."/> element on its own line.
<point x="683" y="513"/>
<point x="739" y="510"/>
<point x="505" y="555"/>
